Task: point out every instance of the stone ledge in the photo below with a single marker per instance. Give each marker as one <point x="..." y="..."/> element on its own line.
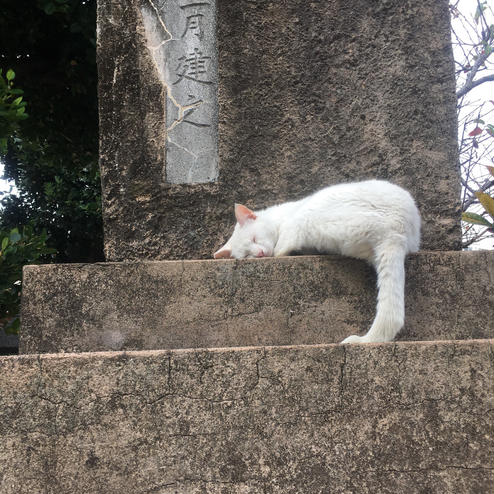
<point x="399" y="417"/>
<point x="282" y="301"/>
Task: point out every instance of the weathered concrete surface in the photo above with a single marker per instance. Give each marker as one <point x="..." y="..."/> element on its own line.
<point x="310" y="94"/>
<point x="283" y="301"/>
<point x="393" y="418"/>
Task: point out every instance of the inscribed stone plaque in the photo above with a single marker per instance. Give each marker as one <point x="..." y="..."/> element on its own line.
<point x="181" y="37"/>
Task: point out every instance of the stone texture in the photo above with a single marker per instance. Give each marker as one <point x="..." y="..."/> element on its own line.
<point x="310" y="94"/>
<point x="181" y="40"/>
<point x="282" y="301"/>
<point x="392" y="418"/>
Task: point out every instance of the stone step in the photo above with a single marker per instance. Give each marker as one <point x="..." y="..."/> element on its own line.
<point x="223" y="303"/>
<point x="405" y="417"/>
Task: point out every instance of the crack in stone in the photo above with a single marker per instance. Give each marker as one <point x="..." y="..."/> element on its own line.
<point x="160" y="20"/>
<point x="181" y="114"/>
<point x="155" y="48"/>
<point x="169" y="376"/>
<point x="428" y="469"/>
<point x="196" y="434"/>
<point x="157" y="488"/>
<point x="159" y="45"/>
<point x="342" y="373"/>
<point x="217" y="481"/>
<point x="181" y="147"/>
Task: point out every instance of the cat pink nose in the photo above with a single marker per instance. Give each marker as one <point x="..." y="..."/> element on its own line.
<point x="261" y="254"/>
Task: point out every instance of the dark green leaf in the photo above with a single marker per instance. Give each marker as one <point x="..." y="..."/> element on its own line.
<point x="14" y="237"/>
<point x="475" y="219"/>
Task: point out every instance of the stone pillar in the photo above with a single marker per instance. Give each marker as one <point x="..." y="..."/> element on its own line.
<point x="204" y="105"/>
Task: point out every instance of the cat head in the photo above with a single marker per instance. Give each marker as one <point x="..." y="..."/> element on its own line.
<point x="253" y="236"/>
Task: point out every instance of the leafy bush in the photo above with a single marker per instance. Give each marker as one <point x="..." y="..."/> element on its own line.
<point x="487" y="203"/>
<point x="52" y="157"/>
<point x="12" y="108"/>
<point x="17" y="249"/>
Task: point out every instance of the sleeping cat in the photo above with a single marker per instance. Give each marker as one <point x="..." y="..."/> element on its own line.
<point x="373" y="220"/>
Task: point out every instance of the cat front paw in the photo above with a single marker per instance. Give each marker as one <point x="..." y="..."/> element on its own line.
<point x="353" y="339"/>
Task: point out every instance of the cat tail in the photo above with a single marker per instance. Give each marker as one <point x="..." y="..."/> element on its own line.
<point x="389" y="262"/>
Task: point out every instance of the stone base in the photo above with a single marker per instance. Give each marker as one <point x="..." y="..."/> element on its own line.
<point x="392" y="418"/>
<point x="223" y="303"/>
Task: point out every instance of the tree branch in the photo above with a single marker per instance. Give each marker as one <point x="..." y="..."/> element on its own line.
<point x="469" y="85"/>
<point x="468" y="202"/>
<point x="476" y="236"/>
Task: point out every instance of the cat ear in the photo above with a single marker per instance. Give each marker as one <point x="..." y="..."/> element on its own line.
<point x="243" y="214"/>
<point x="224" y="253"/>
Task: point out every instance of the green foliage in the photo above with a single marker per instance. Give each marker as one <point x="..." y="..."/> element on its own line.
<point x="53" y="156"/>
<point x="12" y="108"/>
<point x="53" y="7"/>
<point x="17" y="248"/>
<point x="487" y="203"/>
<point x="481" y="7"/>
<point x="475" y="219"/>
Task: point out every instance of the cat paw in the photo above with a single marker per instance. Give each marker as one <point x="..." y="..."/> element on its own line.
<point x="353" y="339"/>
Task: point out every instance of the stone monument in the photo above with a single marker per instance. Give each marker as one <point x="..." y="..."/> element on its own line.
<point x="222" y="376"/>
<point x="204" y="104"/>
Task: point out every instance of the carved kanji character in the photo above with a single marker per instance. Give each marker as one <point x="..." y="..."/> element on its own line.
<point x="188" y="113"/>
<point x="193" y="21"/>
<point x="192" y="66"/>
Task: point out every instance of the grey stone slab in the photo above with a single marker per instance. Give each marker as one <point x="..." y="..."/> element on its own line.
<point x="225" y="303"/>
<point x="181" y="39"/>
<point x="310" y="94"/>
<point x="394" y="418"/>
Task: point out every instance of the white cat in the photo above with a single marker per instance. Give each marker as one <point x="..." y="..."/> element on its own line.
<point x="373" y="220"/>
